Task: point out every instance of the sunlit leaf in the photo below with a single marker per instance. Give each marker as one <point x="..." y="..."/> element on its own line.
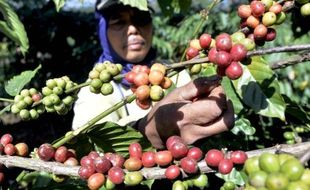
<point x="232" y="95"/>
<point x="243" y="125"/>
<point x="59" y="4"/>
<point x="235" y="176"/>
<point x="140" y="4"/>
<point x="17" y="83"/>
<point x="258" y="88"/>
<point x="12" y="27"/>
<point x="148" y="183"/>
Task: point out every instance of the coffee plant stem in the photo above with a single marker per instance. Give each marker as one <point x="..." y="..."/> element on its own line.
<point x="77" y="87"/>
<point x="291" y="61"/>
<point x="57" y="168"/>
<point x="291" y="48"/>
<point x="90" y="123"/>
<point x="6" y="100"/>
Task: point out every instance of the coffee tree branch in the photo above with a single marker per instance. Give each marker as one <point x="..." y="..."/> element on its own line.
<point x="299" y="150"/>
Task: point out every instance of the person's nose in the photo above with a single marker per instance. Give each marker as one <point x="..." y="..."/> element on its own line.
<point x="132" y="29"/>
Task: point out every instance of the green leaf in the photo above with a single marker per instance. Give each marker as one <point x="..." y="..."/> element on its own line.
<point x="17" y="83"/>
<point x="59" y="4"/>
<point x="296" y="111"/>
<point x="7" y="108"/>
<point x="110" y="137"/>
<point x="243" y="125"/>
<point x="148" y="183"/>
<point x="140" y="4"/>
<point x="232" y="95"/>
<point x="12" y="27"/>
<point x="258" y="88"/>
<point x="170" y="7"/>
<point x="234" y="176"/>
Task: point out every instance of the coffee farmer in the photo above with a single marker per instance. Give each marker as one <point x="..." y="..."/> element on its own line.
<point x="125" y="35"/>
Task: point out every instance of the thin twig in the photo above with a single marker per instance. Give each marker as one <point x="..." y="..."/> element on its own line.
<point x="149" y="173"/>
<point x="291" y="48"/>
<point x="291" y="61"/>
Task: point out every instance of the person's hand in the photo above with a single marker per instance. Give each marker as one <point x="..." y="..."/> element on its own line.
<point x="194" y="111"/>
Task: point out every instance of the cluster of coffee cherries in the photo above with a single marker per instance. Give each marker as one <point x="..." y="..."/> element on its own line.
<point x="276" y="171"/>
<point x="26" y="104"/>
<point x="148" y="84"/>
<point x="101" y="75"/>
<point x="304" y="7"/>
<point x="259" y="17"/>
<point x="55" y="97"/>
<point x="8" y="148"/>
<point x="223" y="52"/>
<point x="62" y="154"/>
<point x="224" y="163"/>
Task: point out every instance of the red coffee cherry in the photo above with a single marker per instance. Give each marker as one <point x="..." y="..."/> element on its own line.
<point x="223" y="59"/>
<point x="252" y="21"/>
<point x="93" y="154"/>
<point x="173" y="139"/>
<point x="276" y="8"/>
<point x="212" y="55"/>
<point x="213" y="157"/>
<point x="135" y="150"/>
<point x="86" y="171"/>
<point x="189" y="165"/>
<point x="143" y="92"/>
<point x="260" y="32"/>
<point x="6" y="139"/>
<point x="145" y="69"/>
<point x="61" y="154"/>
<point x="46" y="152"/>
<point x="9" y="149"/>
<point x="144" y="104"/>
<point x="195" y="153"/>
<point x="234" y="70"/>
<point x="148" y="159"/>
<point x="191" y="53"/>
<point x="115" y="159"/>
<point x="133" y="164"/>
<point x="238" y="52"/>
<point x="141" y="79"/>
<point x="178" y="150"/>
<point x="71" y="161"/>
<point x="36" y="97"/>
<point x="244" y="11"/>
<point x="116" y="175"/>
<point x="87" y="161"/>
<point x="225" y="166"/>
<point x="172" y="172"/>
<point x="238" y="157"/>
<point x="205" y="41"/>
<point x="163" y="158"/>
<point x="257" y="8"/>
<point x="271" y="34"/>
<point x="130" y="76"/>
<point x="95" y="181"/>
<point x="102" y="164"/>
<point x="223" y="42"/>
<point x="156" y="77"/>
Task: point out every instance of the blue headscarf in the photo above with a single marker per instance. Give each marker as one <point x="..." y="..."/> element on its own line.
<point x="108" y="54"/>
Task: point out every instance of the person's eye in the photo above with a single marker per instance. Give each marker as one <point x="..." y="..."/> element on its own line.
<point x="117" y="23"/>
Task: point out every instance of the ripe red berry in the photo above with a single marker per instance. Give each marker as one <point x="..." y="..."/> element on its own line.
<point x="95" y="181"/>
<point x="46" y="152"/>
<point x="189" y="165"/>
<point x="135" y="150"/>
<point x="244" y="11"/>
<point x="223" y="59"/>
<point x="225" y="166"/>
<point x="116" y="175"/>
<point x="156" y="77"/>
<point x="238" y="52"/>
<point x="86" y="171"/>
<point x="130" y="76"/>
<point x="260" y="32"/>
<point x="191" y="53"/>
<point x="71" y="161"/>
<point x="178" y="150"/>
<point x="115" y="159"/>
<point x="163" y="158"/>
<point x="271" y="34"/>
<point x="205" y="41"/>
<point x="36" y="97"/>
<point x="212" y="55"/>
<point x="148" y="159"/>
<point x="6" y="139"/>
<point x="171" y="140"/>
<point x="172" y="172"/>
<point x="142" y="92"/>
<point x="93" y="154"/>
<point x="144" y="104"/>
<point x="238" y="157"/>
<point x="234" y="70"/>
<point x="213" y="157"/>
<point x="223" y="42"/>
<point x="141" y="78"/>
<point x="9" y="149"/>
<point x="102" y="164"/>
<point x="195" y="153"/>
<point x="276" y="8"/>
<point x="257" y="8"/>
<point x="87" y="161"/>
<point x="61" y="154"/>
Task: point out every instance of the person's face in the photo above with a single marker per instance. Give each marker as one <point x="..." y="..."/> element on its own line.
<point x="130" y="34"/>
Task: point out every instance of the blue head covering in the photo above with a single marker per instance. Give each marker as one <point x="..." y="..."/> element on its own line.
<point x="108" y="54"/>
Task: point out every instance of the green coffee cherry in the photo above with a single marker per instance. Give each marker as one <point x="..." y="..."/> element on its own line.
<point x="96" y="83"/>
<point x="94" y="90"/>
<point x="280" y="18"/>
<point x="24" y="114"/>
<point x="18" y="98"/>
<point x="51" y="83"/>
<point x="93" y="74"/>
<point x="33" y="91"/>
<point x="133" y="178"/>
<point x="46" y="91"/>
<point x="60" y="107"/>
<point x="106" y="89"/>
<point x="61" y="83"/>
<point x="21" y="104"/>
<point x="237" y="37"/>
<point x="40" y="109"/>
<point x="15" y="109"/>
<point x="58" y="90"/>
<point x="113" y="69"/>
<point x="68" y="100"/>
<point x="25" y="93"/>
<point x="305" y="9"/>
<point x="34" y="114"/>
<point x="109" y="185"/>
<point x="100" y="67"/>
<point x="54" y="98"/>
<point x="28" y="100"/>
<point x="156" y="93"/>
<point x="178" y="185"/>
<point x="119" y="66"/>
<point x="105" y="76"/>
<point x="200" y="181"/>
<point x="195" y="69"/>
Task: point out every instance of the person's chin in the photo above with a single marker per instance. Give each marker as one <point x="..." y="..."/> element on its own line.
<point x="136" y="56"/>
